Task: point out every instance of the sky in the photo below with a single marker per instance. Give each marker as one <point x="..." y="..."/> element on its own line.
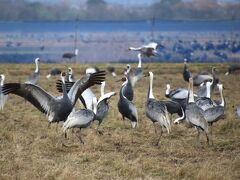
<point x="126" y="2"/>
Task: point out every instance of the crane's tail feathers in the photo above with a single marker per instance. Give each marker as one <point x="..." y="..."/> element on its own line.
<point x="176" y="121"/>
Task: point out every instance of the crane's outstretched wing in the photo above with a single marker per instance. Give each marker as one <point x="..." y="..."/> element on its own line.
<point x="32" y="93"/>
<point x="82" y="84"/>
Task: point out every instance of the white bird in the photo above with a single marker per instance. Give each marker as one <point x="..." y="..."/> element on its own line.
<point x="148" y="50"/>
<point x="33" y="78"/>
<point x="156" y="111"/>
<point x="3" y="98"/>
<point x="81" y="119"/>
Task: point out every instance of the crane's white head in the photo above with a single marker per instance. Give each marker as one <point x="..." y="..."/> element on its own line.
<point x="150" y="74"/>
<point x="37" y="60"/>
<point x="63" y="75"/>
<point x="220" y="86"/>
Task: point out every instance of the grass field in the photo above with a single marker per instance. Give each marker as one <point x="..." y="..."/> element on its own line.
<point x="31" y="150"/>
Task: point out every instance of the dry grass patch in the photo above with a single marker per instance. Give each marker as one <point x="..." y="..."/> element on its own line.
<point x="31" y="150"/>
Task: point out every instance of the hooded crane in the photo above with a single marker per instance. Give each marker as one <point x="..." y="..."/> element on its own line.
<point x="179" y="95"/>
<point x="127" y="69"/>
<point x="69" y="76"/>
<point x="148" y="50"/>
<point x="86" y="96"/>
<point x="206" y="102"/>
<point x="194" y="114"/>
<point x="53" y="72"/>
<point x="56" y="108"/>
<point x="186" y="73"/>
<point x="33" y="78"/>
<point x="111" y="69"/>
<point x="215" y="113"/>
<point x="233" y="68"/>
<point x="204" y="77"/>
<point x="80" y="119"/>
<point x="128" y="88"/>
<point x="70" y="55"/>
<point x="3" y="98"/>
<point x="156" y="111"/>
<point x="126" y="107"/>
<point x="102" y="105"/>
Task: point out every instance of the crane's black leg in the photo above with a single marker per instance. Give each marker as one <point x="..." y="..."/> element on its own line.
<point x="207" y="138"/>
<point x="198" y="136"/>
<point x="57" y="127"/>
<point x="49" y="124"/>
<point x="98" y="131"/>
<point x="79" y="136"/>
<point x="65" y="134"/>
<point x="124" y="125"/>
<point x="158" y="141"/>
<point x="155" y="129"/>
<point x="211" y="134"/>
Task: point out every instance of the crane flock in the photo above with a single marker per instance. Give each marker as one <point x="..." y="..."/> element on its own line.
<point x="197" y="110"/>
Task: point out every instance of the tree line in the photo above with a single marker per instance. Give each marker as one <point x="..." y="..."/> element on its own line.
<point x="15" y="10"/>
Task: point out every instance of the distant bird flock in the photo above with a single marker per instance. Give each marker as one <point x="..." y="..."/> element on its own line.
<point x="197" y="109"/>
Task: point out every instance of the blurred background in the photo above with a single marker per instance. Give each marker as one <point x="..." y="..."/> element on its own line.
<point x="103" y="30"/>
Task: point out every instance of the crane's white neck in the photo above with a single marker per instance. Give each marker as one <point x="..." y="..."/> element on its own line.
<point x="123" y="86"/>
<point x="37" y="68"/>
<point x="128" y="68"/>
<point x="221" y="94"/>
<point x="94" y="105"/>
<point x="70" y="78"/>
<point x="63" y="79"/>
<point x="150" y="93"/>
<point x="208" y="88"/>
<point x="168" y="89"/>
<point x="2" y="79"/>
<point x="190" y="91"/>
<point x="102" y="88"/>
<point x="139" y="60"/>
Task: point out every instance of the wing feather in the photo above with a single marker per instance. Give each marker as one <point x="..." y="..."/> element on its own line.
<point x="32" y="93"/>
